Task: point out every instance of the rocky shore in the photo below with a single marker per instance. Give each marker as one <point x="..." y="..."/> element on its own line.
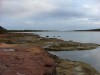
<point x="30" y="60"/>
<point x="23" y="54"/>
<point x="67" y="67"/>
<point x="51" y="44"/>
<point x="71" y="46"/>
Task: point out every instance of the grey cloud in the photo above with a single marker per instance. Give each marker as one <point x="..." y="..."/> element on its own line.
<point x="52" y="10"/>
<point x="11" y="11"/>
<point x="68" y="13"/>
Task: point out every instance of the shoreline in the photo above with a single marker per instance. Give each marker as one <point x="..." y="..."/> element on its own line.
<point x="31" y="43"/>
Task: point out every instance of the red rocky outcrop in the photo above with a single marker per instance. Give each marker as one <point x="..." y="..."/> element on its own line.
<point x="24" y="60"/>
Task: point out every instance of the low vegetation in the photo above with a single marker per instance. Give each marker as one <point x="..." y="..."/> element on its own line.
<point x="2" y="30"/>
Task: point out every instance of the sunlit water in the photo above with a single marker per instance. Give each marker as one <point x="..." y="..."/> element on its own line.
<point x="90" y="56"/>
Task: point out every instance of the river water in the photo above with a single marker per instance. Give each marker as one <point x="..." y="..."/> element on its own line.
<point x="91" y="57"/>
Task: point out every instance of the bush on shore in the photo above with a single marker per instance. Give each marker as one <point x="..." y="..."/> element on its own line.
<point x="2" y="30"/>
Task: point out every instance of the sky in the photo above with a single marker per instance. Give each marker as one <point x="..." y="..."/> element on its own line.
<point x="50" y="14"/>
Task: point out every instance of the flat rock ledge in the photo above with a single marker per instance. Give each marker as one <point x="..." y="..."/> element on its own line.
<point x="70" y="46"/>
<point x="51" y="44"/>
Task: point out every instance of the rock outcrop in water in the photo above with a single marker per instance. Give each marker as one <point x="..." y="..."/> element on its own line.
<point x="66" y="67"/>
<point x="70" y="45"/>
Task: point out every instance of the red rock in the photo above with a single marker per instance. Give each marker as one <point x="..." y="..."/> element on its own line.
<point x="25" y="61"/>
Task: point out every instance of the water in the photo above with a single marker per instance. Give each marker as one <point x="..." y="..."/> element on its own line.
<point x="85" y="37"/>
<point x="90" y="56"/>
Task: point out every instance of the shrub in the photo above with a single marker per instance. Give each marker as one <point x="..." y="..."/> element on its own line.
<point x="2" y="30"/>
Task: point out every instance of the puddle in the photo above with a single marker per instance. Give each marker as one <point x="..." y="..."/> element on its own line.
<point x="7" y="49"/>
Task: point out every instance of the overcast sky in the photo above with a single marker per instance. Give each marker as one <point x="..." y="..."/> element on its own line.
<point x="50" y="14"/>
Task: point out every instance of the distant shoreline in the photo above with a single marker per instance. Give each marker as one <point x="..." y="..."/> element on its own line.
<point x="96" y="30"/>
<point x="31" y="30"/>
<point x="89" y="30"/>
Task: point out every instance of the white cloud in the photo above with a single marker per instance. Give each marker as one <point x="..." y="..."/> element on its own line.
<point x="25" y="8"/>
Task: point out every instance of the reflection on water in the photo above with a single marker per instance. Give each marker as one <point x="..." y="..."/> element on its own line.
<point x="89" y="56"/>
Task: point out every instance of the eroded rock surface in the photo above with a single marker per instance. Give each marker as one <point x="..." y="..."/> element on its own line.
<point x="70" y="45"/>
<point x="25" y="61"/>
<point x="51" y="44"/>
<point x="67" y="67"/>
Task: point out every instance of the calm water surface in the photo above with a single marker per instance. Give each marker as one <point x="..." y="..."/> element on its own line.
<point x="85" y="37"/>
<point x="90" y="56"/>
